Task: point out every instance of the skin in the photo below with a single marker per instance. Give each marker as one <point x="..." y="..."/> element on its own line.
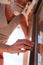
<point x="16" y="47"/>
<point x="22" y="43"/>
<point x="26" y="44"/>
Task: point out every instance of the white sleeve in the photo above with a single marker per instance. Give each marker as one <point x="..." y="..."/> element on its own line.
<point x="15" y="9"/>
<point x="29" y="8"/>
<point x="35" y="1"/>
<point x="5" y="1"/>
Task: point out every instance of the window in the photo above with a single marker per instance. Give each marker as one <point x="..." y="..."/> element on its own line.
<point x="14" y="59"/>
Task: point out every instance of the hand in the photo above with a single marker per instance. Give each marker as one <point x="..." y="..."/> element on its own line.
<point x="20" y="45"/>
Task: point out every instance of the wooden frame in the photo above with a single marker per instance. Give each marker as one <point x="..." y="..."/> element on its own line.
<point x="41" y="46"/>
<point x="34" y="53"/>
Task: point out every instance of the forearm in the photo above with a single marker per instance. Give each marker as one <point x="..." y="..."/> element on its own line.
<point x="24" y="25"/>
<point x="4" y="48"/>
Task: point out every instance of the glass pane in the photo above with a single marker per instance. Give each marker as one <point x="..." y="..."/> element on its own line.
<point x="40" y="33"/>
<point x="39" y="55"/>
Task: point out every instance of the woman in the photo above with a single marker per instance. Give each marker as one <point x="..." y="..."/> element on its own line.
<point x="8" y="22"/>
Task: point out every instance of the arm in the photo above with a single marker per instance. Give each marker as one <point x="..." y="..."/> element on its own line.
<point x="4" y="48"/>
<point x="24" y="17"/>
<point x="17" y="47"/>
<point x="24" y="26"/>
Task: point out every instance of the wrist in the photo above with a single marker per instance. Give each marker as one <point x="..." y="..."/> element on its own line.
<point x="8" y="49"/>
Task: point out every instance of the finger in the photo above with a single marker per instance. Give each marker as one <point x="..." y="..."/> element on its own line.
<point x="24" y="47"/>
<point x="22" y="51"/>
<point x="25" y="41"/>
<point x="30" y="43"/>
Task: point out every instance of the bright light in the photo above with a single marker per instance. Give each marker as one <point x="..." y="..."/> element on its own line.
<point x="14" y="59"/>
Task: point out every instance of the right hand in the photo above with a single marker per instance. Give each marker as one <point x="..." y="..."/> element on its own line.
<point x="22" y="43"/>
